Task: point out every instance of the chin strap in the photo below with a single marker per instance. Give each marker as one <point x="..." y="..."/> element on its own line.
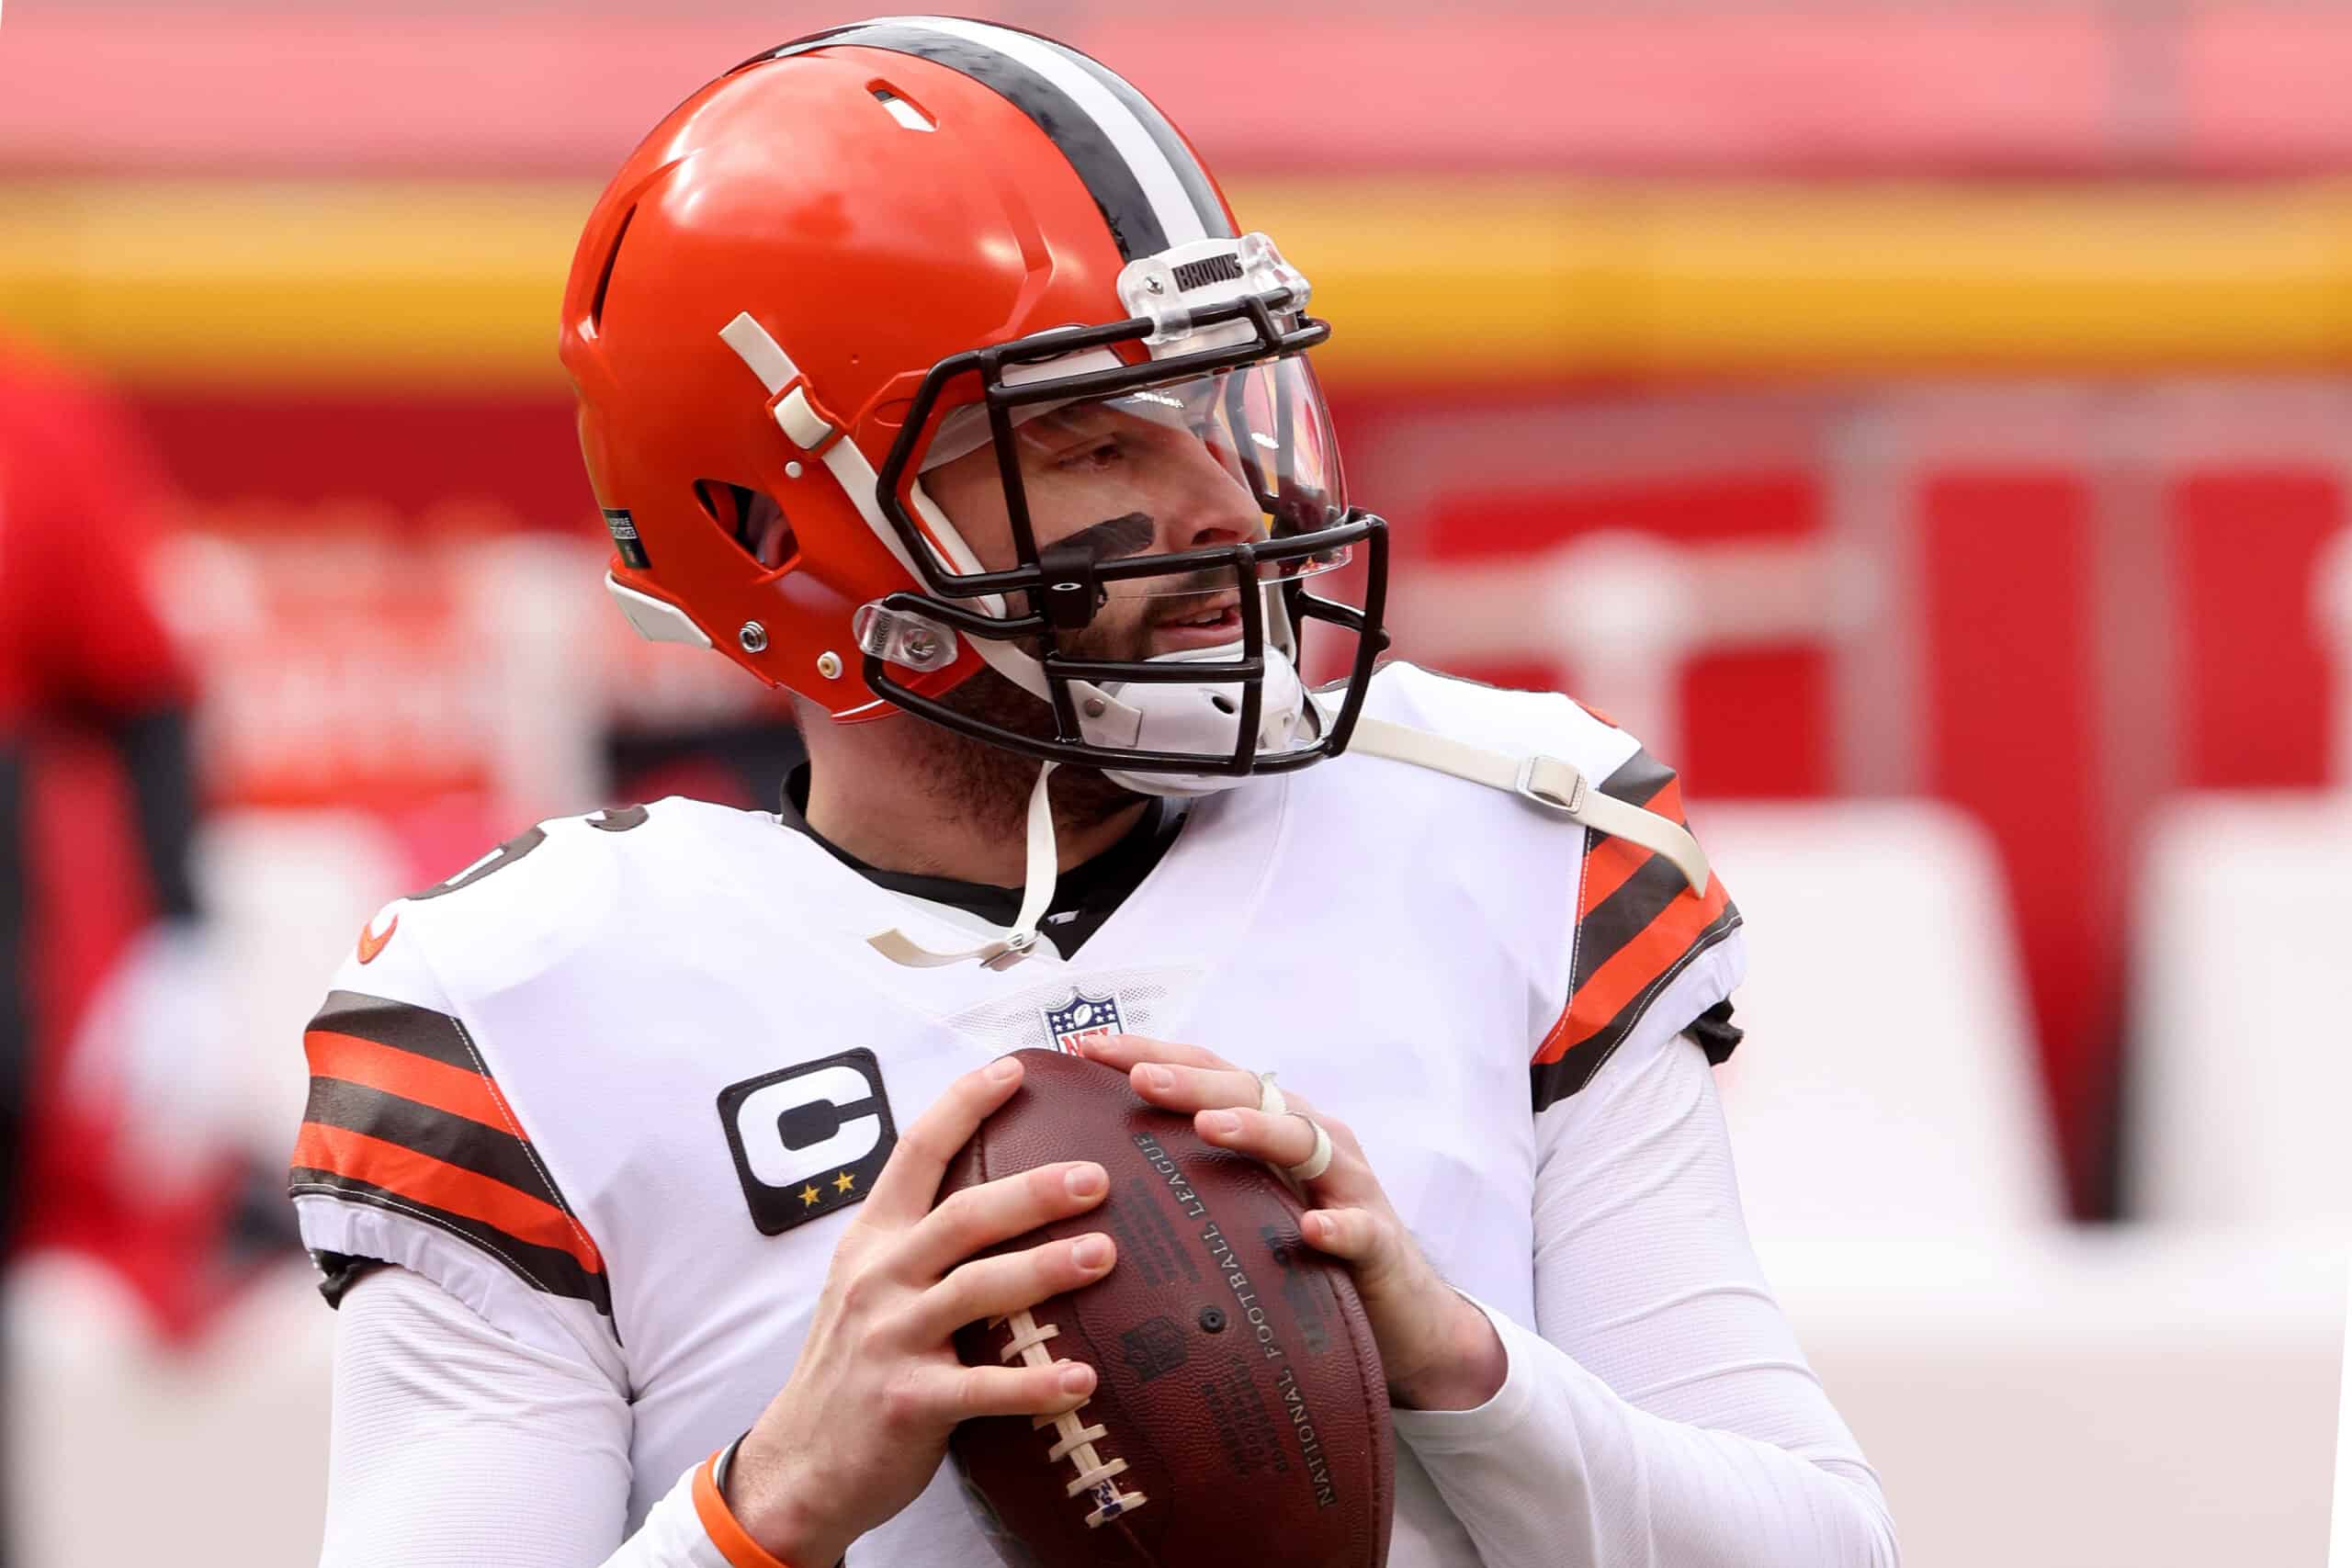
<point x="1546" y="782"/>
<point x="1036" y="892"/>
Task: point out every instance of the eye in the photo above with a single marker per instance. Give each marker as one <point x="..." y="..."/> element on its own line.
<point x="1091" y="456"/>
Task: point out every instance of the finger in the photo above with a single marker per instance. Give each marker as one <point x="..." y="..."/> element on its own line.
<point x="980" y="1217"/>
<point x="1352" y="1234"/>
<point x="1372" y="1244"/>
<point x="1285" y="1141"/>
<point x="1049" y="1390"/>
<point x="1126" y="1050"/>
<point x="910" y="1181"/>
<point x="998" y="1287"/>
<point x="1195" y="1088"/>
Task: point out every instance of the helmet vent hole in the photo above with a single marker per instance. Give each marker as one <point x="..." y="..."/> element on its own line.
<point x="1222" y="703"/>
<point x="604" y="279"/>
<point x="899" y="109"/>
<point x="752" y="521"/>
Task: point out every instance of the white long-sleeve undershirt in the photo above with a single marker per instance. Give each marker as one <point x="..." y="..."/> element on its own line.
<point x="1659" y="1415"/>
<point x="1664" y="1415"/>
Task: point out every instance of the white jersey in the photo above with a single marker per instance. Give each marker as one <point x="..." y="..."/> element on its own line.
<point x="619" y="1087"/>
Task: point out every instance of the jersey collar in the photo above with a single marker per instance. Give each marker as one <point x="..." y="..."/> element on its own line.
<point x="1084" y="897"/>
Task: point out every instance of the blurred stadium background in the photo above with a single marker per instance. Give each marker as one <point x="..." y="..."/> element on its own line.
<point x="1930" y="424"/>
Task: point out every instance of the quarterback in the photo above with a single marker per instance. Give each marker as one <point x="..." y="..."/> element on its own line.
<point x="923" y="370"/>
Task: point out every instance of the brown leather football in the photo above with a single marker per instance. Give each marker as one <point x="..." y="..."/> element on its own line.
<point x="1239" y="1412"/>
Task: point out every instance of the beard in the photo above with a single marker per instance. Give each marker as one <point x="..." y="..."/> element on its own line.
<point x="990" y="786"/>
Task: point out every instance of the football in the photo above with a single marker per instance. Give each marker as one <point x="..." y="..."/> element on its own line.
<point x="1239" y="1401"/>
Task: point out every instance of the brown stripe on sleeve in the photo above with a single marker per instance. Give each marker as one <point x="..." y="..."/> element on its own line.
<point x="455" y="1140"/>
<point x="1639" y="924"/>
<point x="1573" y="1052"/>
<point x="461" y="1091"/>
<point x="404" y="1026"/>
<point x="402" y="1117"/>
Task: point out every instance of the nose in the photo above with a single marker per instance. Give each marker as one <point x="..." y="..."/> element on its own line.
<point x="1216" y="508"/>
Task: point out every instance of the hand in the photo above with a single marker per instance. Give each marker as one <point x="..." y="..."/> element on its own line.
<point x="1440" y="1351"/>
<point x="861" y="1426"/>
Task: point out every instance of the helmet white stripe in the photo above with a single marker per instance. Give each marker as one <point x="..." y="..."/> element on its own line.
<point x="1162" y="186"/>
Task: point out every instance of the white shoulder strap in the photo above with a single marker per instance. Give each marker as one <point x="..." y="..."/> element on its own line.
<point x="1546" y="782"/>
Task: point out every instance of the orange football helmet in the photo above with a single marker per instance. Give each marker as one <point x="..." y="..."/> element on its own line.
<point x="879" y="248"/>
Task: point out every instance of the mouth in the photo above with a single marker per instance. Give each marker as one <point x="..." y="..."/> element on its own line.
<point x="1218" y="610"/>
<point x="1207" y="621"/>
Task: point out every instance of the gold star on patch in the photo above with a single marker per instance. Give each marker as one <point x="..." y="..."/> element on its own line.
<point x="808" y="1195"/>
<point x="844" y="1182"/>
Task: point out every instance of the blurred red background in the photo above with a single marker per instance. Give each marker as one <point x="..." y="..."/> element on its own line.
<point x="1987" y="360"/>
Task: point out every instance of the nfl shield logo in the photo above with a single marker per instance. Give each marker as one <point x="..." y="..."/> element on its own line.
<point x="1082" y="1018"/>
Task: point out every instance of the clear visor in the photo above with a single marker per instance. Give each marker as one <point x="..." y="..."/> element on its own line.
<point x="1217" y="459"/>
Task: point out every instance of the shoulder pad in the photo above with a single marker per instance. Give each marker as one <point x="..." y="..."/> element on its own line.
<point x="1650" y="950"/>
<point x="566" y="885"/>
<point x="409" y="1151"/>
<point x="1504" y="719"/>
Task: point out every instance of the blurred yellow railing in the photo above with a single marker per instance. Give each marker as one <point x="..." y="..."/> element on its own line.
<point x="400" y="284"/>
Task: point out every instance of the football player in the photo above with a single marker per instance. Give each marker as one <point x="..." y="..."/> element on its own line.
<point x="923" y="371"/>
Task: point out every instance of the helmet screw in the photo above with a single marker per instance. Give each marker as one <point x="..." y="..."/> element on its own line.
<point x="1095" y="707"/>
<point x="829" y="665"/>
<point x="1153" y="285"/>
<point x="919" y="645"/>
<point x="754" y="636"/>
<point x="792" y="470"/>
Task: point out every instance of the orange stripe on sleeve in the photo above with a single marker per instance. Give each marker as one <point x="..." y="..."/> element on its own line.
<point x="1613" y="986"/>
<point x="733" y="1542"/>
<point x="411" y="1076"/>
<point x="1611" y="862"/>
<point x="440" y="1184"/>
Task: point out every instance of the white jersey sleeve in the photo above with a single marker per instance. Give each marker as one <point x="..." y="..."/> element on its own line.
<point x="1641" y="955"/>
<point x="1659" y="1411"/>
<point x="411" y="1153"/>
<point x="523" y="1454"/>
